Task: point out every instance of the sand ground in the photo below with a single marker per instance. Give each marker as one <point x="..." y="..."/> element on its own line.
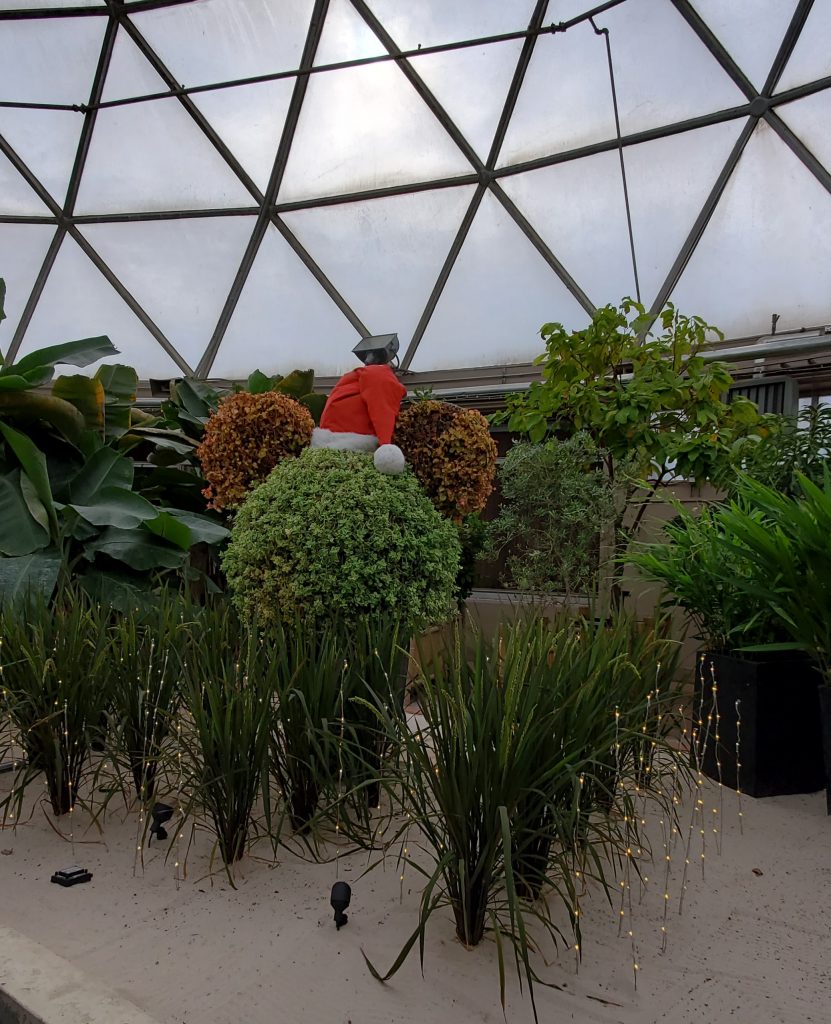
<point x="753" y="945"/>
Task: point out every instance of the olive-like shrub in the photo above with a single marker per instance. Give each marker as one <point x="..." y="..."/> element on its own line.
<point x="245" y="439"/>
<point x="451" y="453"/>
<point x="328" y="536"/>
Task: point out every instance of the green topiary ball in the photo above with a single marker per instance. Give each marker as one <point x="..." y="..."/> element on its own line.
<point x="328" y="535"/>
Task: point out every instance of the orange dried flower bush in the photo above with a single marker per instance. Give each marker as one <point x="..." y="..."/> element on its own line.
<point x="245" y="439"/>
<point x="451" y="453"/>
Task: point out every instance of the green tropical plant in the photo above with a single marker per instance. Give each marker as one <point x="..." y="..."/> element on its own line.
<point x="55" y="692"/>
<point x="786" y="539"/>
<point x="794" y="445"/>
<point x="556" y="505"/>
<point x="655" y="408"/>
<point x="327" y="536"/>
<point x="709" y="573"/>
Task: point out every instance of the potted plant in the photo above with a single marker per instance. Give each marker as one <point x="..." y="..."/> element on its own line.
<point x="756" y="707"/>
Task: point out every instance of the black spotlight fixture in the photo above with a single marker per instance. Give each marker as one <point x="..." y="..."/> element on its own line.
<point x="341" y="895"/>
<point x="160" y="814"/>
<point x="380" y="348"/>
<point x="71" y="876"/>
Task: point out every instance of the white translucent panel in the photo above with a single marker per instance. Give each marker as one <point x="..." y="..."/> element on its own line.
<point x="384" y="255"/>
<point x="811" y="57"/>
<point x="219" y="40"/>
<point x="346" y="36"/>
<point x="364" y="128"/>
<point x="15" y="195"/>
<point x="22" y="248"/>
<point x="180" y="271"/>
<point x="497" y="297"/>
<point x="284" y="320"/>
<point x="669" y="181"/>
<point x="810" y="118"/>
<point x="432" y="22"/>
<point x="78" y="302"/>
<point x="578" y="208"/>
<point x="46" y="141"/>
<point x="250" y="120"/>
<point x="663" y="74"/>
<point x="767" y="248"/>
<point x="751" y="31"/>
<point x="152" y="156"/>
<point x="46" y="60"/>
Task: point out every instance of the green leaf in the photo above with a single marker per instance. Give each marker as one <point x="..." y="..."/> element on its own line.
<point x="72" y="353"/>
<point x="259" y="383"/>
<point x="195" y="397"/>
<point x="105" y="468"/>
<point x="29" y="575"/>
<point x="20" y="533"/>
<point x="33" y="502"/>
<point x="137" y="548"/>
<point x="28" y="406"/>
<point x="203" y="529"/>
<point x="13" y="382"/>
<point x="296" y="384"/>
<point x="115" y="506"/>
<point x="315" y="403"/>
<point x="86" y="394"/>
<point x="120" y="387"/>
<point x="175" y="440"/>
<point x="33" y="461"/>
<point x="123" y="593"/>
<point x="169" y="528"/>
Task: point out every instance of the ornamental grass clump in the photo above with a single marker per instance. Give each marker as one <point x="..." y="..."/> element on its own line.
<point x="328" y="536"/>
<point x="246" y="438"/>
<point x="55" y="692"/>
<point x="451" y="453"/>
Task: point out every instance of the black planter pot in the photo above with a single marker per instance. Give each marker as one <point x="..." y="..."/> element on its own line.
<point x="781" y="747"/>
<point x="825" y="708"/>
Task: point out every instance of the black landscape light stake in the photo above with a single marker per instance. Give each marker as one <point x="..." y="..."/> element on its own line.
<point x="71" y="876"/>
<point x="160" y="813"/>
<point x="341" y="895"/>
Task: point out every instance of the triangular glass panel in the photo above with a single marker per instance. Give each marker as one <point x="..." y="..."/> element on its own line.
<point x="22" y="248"/>
<point x="78" y="302"/>
<point x="346" y="36"/>
<point x="179" y="270"/>
<point x="46" y="141"/>
<point x="471" y="84"/>
<point x="767" y="248"/>
<point x="498" y="295"/>
<point x="151" y="155"/>
<point x="566" y="99"/>
<point x="811" y="57"/>
<point x="235" y="40"/>
<point x="363" y="128"/>
<point x="45" y="60"/>
<point x="384" y="255"/>
<point x="750" y="30"/>
<point x="16" y="196"/>
<point x="283" y="321"/>
<point x="810" y="118"/>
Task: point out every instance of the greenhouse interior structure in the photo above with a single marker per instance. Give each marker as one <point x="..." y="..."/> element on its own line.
<point x="415" y="511"/>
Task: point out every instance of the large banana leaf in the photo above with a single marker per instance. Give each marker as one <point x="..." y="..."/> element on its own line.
<point x="124" y="593"/>
<point x="33" y="462"/>
<point x="28" y="406"/>
<point x="137" y="548"/>
<point x="203" y="529"/>
<point x="105" y="400"/>
<point x="72" y="353"/>
<point x="170" y="528"/>
<point x="29" y="575"/>
<point x="20" y="532"/>
<point x="116" y="506"/>
<point x="105" y="468"/>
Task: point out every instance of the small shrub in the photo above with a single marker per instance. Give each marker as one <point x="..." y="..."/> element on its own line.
<point x="328" y="536"/>
<point x="451" y="453"/>
<point x="246" y="438"/>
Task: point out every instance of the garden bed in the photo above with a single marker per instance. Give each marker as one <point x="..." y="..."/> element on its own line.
<point x="748" y="947"/>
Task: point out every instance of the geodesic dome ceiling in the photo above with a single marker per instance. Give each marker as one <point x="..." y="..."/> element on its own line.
<point x="321" y="186"/>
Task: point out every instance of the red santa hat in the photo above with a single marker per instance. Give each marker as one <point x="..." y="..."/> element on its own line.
<point x="360" y="415"/>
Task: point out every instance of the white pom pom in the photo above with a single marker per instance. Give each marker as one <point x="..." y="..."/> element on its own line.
<point x="389" y="459"/>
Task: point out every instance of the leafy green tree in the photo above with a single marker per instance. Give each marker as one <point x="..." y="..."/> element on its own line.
<point x="651" y="402"/>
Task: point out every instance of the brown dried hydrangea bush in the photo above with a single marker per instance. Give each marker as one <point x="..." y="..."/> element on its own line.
<point x="245" y="439"/>
<point x="451" y="453"/>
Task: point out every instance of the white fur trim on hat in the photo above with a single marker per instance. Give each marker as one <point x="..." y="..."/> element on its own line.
<point x="322" y="438"/>
<point x="389" y="459"/>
